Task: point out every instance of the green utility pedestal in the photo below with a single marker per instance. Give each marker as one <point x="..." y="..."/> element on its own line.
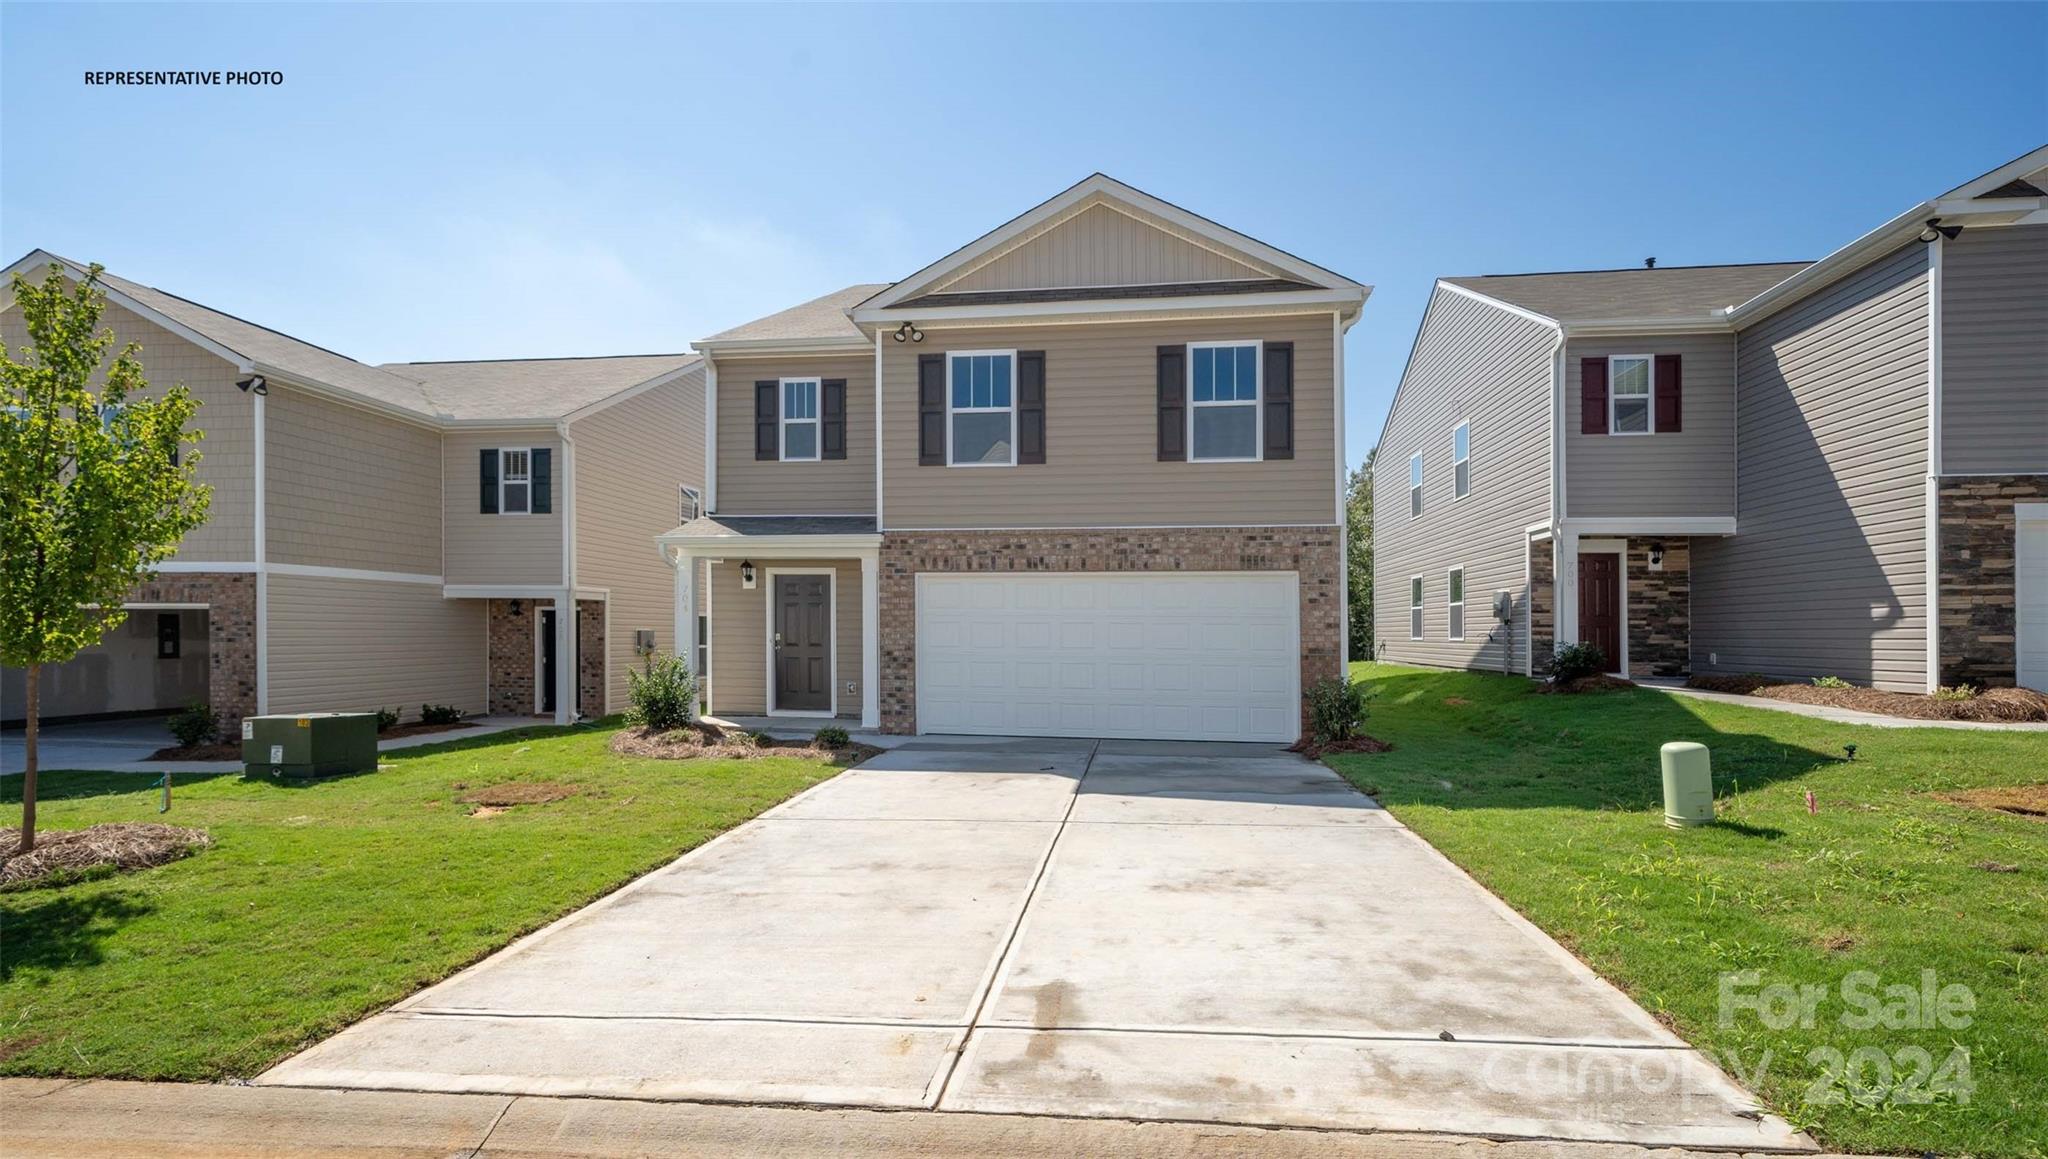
<point x="1688" y="784"/>
<point x="309" y="744"/>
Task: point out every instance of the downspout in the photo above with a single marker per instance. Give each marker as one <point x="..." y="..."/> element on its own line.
<point x="1563" y="555"/>
<point x="261" y="551"/>
<point x="568" y="665"/>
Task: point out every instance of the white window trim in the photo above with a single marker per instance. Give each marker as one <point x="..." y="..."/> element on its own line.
<point x="504" y="479"/>
<point x="1458" y="603"/>
<point x="694" y="498"/>
<point x="831" y="637"/>
<point x="1418" y="593"/>
<point x="1466" y="462"/>
<point x="1415" y="468"/>
<point x="1257" y="401"/>
<point x="783" y="422"/>
<point x="952" y="410"/>
<point x="1649" y="396"/>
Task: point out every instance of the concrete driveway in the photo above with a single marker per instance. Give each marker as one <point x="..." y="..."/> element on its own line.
<point x="1124" y="929"/>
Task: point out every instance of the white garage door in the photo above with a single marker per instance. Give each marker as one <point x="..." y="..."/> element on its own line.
<point x="1210" y="656"/>
<point x="2031" y="556"/>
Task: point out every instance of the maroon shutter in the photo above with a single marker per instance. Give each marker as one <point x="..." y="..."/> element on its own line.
<point x="931" y="410"/>
<point x="1031" y="406"/>
<point x="1173" y="404"/>
<point x="1592" y="396"/>
<point x="767" y="439"/>
<point x="1670" y="412"/>
<point x="1279" y="401"/>
<point x="832" y="419"/>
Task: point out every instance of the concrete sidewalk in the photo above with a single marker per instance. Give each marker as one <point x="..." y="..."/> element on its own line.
<point x="1840" y="715"/>
<point x="123" y="746"/>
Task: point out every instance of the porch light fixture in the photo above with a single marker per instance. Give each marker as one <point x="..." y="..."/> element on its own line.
<point x="515" y="607"/>
<point x="909" y="333"/>
<point x="1656" y="555"/>
<point x="254" y="384"/>
<point x="746" y="573"/>
<point x="1936" y="229"/>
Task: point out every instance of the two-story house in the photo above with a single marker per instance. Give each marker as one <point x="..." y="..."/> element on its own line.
<point x="391" y="536"/>
<point x="1081" y="476"/>
<point x="1810" y="468"/>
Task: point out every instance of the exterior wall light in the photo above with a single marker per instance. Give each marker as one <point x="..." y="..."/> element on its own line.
<point x="909" y="333"/>
<point x="1935" y="229"/>
<point x="747" y="573"/>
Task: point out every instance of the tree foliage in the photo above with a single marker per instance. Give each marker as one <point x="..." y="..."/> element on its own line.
<point x="1358" y="556"/>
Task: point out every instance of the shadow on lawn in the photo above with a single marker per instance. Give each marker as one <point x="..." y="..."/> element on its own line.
<point x="62" y="930"/>
<point x="1467" y="740"/>
<point x="80" y="784"/>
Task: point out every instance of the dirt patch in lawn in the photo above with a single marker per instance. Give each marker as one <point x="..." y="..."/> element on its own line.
<point x="511" y="793"/>
<point x="64" y="855"/>
<point x="1599" y="683"/>
<point x="232" y="750"/>
<point x="1993" y="704"/>
<point x="702" y="741"/>
<point x="2030" y="801"/>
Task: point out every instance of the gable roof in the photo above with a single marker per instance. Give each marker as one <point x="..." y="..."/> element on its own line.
<point x="1667" y="292"/>
<point x="821" y="320"/>
<point x="539" y="388"/>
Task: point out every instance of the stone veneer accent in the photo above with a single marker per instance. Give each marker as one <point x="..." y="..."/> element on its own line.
<point x="1542" y="604"/>
<point x="230" y="599"/>
<point x="1978" y="628"/>
<point x="590" y="647"/>
<point x="1311" y="551"/>
<point x="1659" y="608"/>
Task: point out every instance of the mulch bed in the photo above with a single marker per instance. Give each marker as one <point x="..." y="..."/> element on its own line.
<point x="67" y="853"/>
<point x="1599" y="683"/>
<point x="1993" y="704"/>
<point x="701" y="741"/>
<point x="1357" y="744"/>
<point x="2029" y="801"/>
<point x="232" y="750"/>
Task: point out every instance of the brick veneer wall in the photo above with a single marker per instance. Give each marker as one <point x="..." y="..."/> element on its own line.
<point x="1978" y="627"/>
<point x="1311" y="551"/>
<point x="230" y="599"/>
<point x="590" y="657"/>
<point x="1660" y="609"/>
<point x="1542" y="605"/>
<point x="511" y="658"/>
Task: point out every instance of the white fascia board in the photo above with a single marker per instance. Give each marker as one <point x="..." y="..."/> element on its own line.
<point x="748" y="347"/>
<point x="1988" y="207"/>
<point x="1311" y="301"/>
<point x="1498" y="304"/>
<point x="1849" y="258"/>
<point x="1716" y="323"/>
<point x="1652" y="525"/>
<point x="2017" y="167"/>
<point x="765" y="546"/>
<point x="348" y="398"/>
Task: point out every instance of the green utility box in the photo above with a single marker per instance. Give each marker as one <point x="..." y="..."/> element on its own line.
<point x="1688" y="784"/>
<point x="309" y="744"/>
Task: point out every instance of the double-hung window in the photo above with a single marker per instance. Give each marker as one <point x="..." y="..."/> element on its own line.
<point x="1224" y="420"/>
<point x="515" y="481"/>
<point x="1415" y="485"/>
<point x="799" y="420"/>
<point x="1628" y="395"/>
<point x="1457" y="603"/>
<point x="1415" y="607"/>
<point x="1461" y="461"/>
<point x="981" y="408"/>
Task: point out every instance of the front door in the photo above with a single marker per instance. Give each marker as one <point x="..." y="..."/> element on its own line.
<point x="802" y="643"/>
<point x="547" y="660"/>
<point x="1600" y="604"/>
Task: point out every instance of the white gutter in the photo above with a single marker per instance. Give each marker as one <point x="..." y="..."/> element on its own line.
<point x="262" y="573"/>
<point x="1885" y="237"/>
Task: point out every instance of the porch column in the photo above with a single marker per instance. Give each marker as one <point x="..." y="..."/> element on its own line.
<point x="685" y="566"/>
<point x="566" y="663"/>
<point x="870" y="640"/>
<point x="1566" y="587"/>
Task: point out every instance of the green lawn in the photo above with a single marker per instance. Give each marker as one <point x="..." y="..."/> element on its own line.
<point x="1554" y="803"/>
<point x="321" y="903"/>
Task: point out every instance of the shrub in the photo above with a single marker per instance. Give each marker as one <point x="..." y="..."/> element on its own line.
<point x="664" y="695"/>
<point x="1574" y="661"/>
<point x="439" y="714"/>
<point x="832" y="737"/>
<point x="387" y="719"/>
<point x="1955" y="692"/>
<point x="1337" y="709"/>
<point x="1831" y="682"/>
<point x="750" y="739"/>
<point x="195" y="724"/>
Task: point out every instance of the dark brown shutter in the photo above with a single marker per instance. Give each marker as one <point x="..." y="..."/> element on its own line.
<point x="542" y="465"/>
<point x="832" y="419"/>
<point x="1279" y="403"/>
<point x="767" y="409"/>
<point x="487" y="471"/>
<point x="1670" y="412"/>
<point x="931" y="410"/>
<point x="1592" y="396"/>
<point x="1173" y="404"/>
<point x="1031" y="406"/>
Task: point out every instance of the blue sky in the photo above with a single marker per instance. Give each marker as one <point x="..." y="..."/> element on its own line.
<point x="487" y="181"/>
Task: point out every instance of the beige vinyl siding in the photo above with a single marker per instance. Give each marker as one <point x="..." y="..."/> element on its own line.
<point x="748" y="486"/>
<point x="1689" y="473"/>
<point x="631" y="459"/>
<point x="340" y="645"/>
<point x="739" y="635"/>
<point x="1826" y="574"/>
<point x="498" y="549"/>
<point x="1994" y="351"/>
<point x="348" y="488"/>
<point x="1480" y="364"/>
<point x="1104" y="246"/>
<point x="227" y="455"/>
<point x="1101" y="422"/>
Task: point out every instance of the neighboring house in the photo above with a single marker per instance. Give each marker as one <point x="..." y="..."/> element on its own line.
<point x="1082" y="476"/>
<point x="398" y="535"/>
<point x="1733" y="469"/>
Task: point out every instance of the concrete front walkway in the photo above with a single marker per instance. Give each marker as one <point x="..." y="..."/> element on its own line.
<point x="1841" y="715"/>
<point x="1127" y="930"/>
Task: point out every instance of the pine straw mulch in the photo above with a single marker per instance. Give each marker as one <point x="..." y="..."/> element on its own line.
<point x="1992" y="704"/>
<point x="701" y="740"/>
<point x="1361" y="743"/>
<point x="232" y="750"/>
<point x="1596" y="683"/>
<point x="2030" y="801"/>
<point x="64" y="854"/>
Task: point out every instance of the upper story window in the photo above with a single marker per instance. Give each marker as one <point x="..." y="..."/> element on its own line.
<point x="1461" y="461"/>
<point x="800" y="419"/>
<point x="515" y="481"/>
<point x="1224" y="421"/>
<point x="1628" y="395"/>
<point x="1415" y="485"/>
<point x="981" y="408"/>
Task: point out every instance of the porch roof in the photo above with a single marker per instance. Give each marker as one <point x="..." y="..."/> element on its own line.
<point x="813" y="534"/>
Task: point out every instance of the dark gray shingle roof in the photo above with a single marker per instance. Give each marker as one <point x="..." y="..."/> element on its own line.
<point x="1667" y="292"/>
<point x="744" y="525"/>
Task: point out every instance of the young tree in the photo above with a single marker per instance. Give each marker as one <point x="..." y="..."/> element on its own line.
<point x="1358" y="556"/>
<point x="96" y="494"/>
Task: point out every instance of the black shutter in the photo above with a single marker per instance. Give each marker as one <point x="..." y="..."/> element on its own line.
<point x="487" y="470"/>
<point x="1592" y="396"/>
<point x="931" y="410"/>
<point x="543" y="480"/>
<point x="767" y="440"/>
<point x="1279" y="403"/>
<point x="1031" y="406"/>
<point x="832" y="419"/>
<point x="1670" y="412"/>
<point x="1173" y="404"/>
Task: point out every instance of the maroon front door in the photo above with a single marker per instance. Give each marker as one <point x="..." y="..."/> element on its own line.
<point x="1600" y="605"/>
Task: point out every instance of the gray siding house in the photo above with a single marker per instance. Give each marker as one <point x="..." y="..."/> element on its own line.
<point x="1797" y="469"/>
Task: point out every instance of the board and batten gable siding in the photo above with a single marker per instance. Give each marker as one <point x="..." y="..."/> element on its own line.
<point x="1101" y="464"/>
<point x="1826" y="574"/>
<point x="739" y="634"/>
<point x="498" y="549"/>
<point x="750" y="486"/>
<point x="346" y="645"/>
<point x="1474" y="363"/>
<point x="349" y="488"/>
<point x="1994" y="352"/>
<point x="1103" y="246"/>
<point x="1687" y="473"/>
<point x="227" y="455"/>
<point x="631" y="459"/>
